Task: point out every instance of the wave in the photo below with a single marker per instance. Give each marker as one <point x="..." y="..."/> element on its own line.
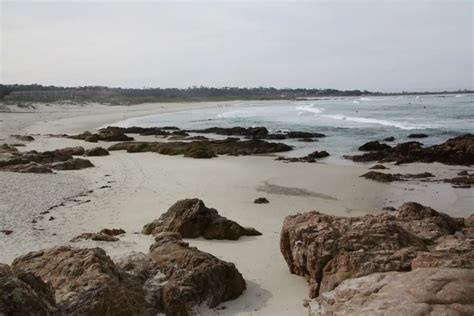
<point x="310" y="108"/>
<point x="367" y="120"/>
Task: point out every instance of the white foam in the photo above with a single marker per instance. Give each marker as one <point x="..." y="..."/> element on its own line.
<point x="310" y="108"/>
<point x="366" y="120"/>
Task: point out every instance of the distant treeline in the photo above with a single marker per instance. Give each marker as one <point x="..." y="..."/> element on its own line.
<point x="39" y="93"/>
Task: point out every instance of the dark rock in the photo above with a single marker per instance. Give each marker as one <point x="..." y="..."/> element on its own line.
<point x="100" y="236"/>
<point x="374" y="146"/>
<point x="6" y="231"/>
<point x="381" y="177"/>
<point x="191" y="218"/>
<point x="113" y="231"/>
<point x="463" y="173"/>
<point x="72" y="164"/>
<point x="378" y="167"/>
<point x="389" y="139"/>
<point x="261" y="200"/>
<point x="417" y="136"/>
<point x="455" y="151"/>
<point x="309" y="158"/>
<point x="106" y="135"/>
<point x="97" y="151"/>
<point x="204" y="148"/>
<point x="23" y="293"/>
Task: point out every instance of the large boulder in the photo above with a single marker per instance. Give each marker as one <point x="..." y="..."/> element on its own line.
<point x="432" y="291"/>
<point x="97" y="151"/>
<point x="374" y="146"/>
<point x="327" y="249"/>
<point x="87" y="282"/>
<point x="23" y="293"/>
<point x="192" y="277"/>
<point x="72" y="164"/>
<point x="191" y="218"/>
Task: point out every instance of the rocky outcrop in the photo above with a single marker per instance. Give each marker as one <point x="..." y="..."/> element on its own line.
<point x="378" y="167"/>
<point x="146" y="131"/>
<point x="327" y="250"/>
<point x="86" y="281"/>
<point x="105" y="135"/>
<point x="43" y="162"/>
<point x="191" y="218"/>
<point x="97" y="151"/>
<point x="374" y="146"/>
<point x="204" y="149"/>
<point x="23" y="293"/>
<point x="191" y="277"/>
<point x="388" y="177"/>
<point x="455" y="151"/>
<point x="419" y="292"/>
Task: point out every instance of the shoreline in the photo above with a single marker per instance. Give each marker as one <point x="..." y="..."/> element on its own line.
<point x="143" y="185"/>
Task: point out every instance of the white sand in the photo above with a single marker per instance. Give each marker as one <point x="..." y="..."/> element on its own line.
<point x="143" y="185"/>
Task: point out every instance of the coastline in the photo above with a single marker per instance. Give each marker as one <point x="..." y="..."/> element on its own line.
<point x="143" y="185"/>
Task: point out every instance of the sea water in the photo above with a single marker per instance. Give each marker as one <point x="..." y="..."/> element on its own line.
<point x="348" y="122"/>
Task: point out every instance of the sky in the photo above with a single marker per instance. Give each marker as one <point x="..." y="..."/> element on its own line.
<point x="374" y="45"/>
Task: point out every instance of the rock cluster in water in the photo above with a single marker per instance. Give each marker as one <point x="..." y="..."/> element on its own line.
<point x="455" y="151"/>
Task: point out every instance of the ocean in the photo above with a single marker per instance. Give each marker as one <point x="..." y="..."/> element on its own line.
<point x="348" y="122"/>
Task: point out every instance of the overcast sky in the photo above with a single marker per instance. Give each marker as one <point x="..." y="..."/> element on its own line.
<point x="373" y="45"/>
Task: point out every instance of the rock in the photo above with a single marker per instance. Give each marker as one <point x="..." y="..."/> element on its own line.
<point x="261" y="200"/>
<point x="73" y="164"/>
<point x="103" y="235"/>
<point x="419" y="292"/>
<point x="388" y="177"/>
<point x="374" y="146"/>
<point x="469" y="221"/>
<point x="462" y="180"/>
<point x="463" y="173"/>
<point x="378" y="167"/>
<point x="24" y="138"/>
<point x="417" y="136"/>
<point x="327" y="250"/>
<point x="307" y="140"/>
<point x="191" y="218"/>
<point x="309" y="158"/>
<point x="30" y="167"/>
<point x="97" y="151"/>
<point x="380" y="176"/>
<point x="192" y="277"/>
<point x="455" y="151"/>
<point x="204" y="148"/>
<point x="106" y="135"/>
<point x="6" y="231"/>
<point x="86" y="281"/>
<point x="23" y="293"/>
<point x="43" y="162"/>
<point x="389" y="139"/>
<point x="17" y="145"/>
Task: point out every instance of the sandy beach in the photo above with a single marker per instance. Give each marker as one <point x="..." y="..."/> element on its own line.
<point x="126" y="191"/>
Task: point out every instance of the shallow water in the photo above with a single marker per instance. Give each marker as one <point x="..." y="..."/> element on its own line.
<point x="348" y="122"/>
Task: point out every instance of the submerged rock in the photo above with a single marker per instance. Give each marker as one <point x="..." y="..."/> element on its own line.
<point x="191" y="218"/>
<point x="327" y="250"/>
<point x="417" y="136"/>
